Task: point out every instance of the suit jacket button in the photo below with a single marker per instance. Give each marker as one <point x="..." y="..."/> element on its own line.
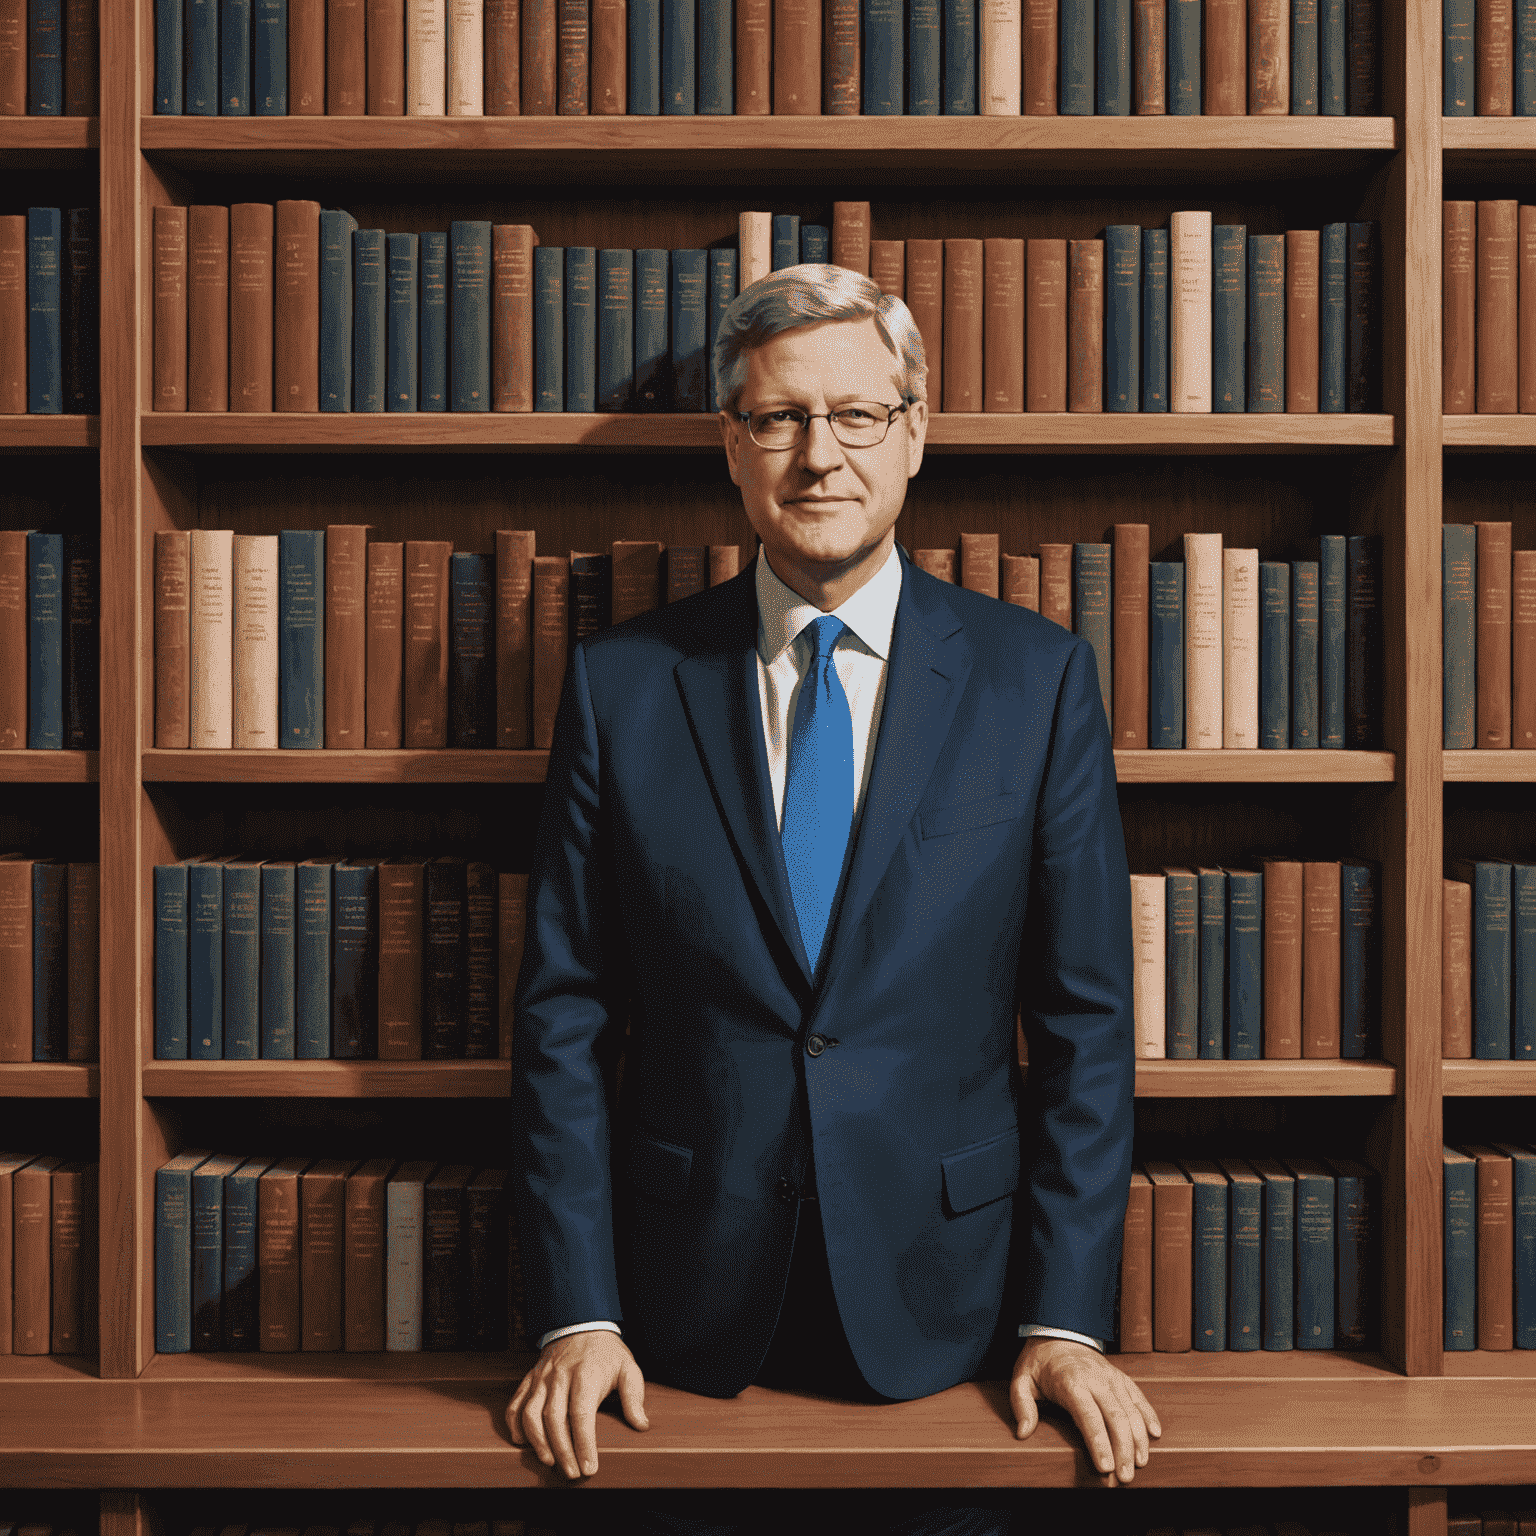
<point x="816" y="1045"/>
<point x="785" y="1191"/>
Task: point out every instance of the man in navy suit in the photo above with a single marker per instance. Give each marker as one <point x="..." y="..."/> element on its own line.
<point x="818" y="832"/>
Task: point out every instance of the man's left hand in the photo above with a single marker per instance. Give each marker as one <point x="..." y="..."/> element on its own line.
<point x="1109" y="1409"/>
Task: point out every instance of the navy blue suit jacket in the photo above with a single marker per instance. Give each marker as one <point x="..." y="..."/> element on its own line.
<point x="988" y="872"/>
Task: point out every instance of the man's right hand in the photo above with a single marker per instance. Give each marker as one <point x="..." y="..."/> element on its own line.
<point x="555" y="1406"/>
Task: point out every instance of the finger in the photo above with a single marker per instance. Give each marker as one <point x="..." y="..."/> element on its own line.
<point x="1117" y="1424"/>
<point x="1138" y="1426"/>
<point x="533" y="1423"/>
<point x="557" y="1426"/>
<point x="1089" y="1418"/>
<point x="515" y="1409"/>
<point x="586" y="1394"/>
<point x="1021" y="1395"/>
<point x="632" y="1395"/>
<point x="1145" y="1408"/>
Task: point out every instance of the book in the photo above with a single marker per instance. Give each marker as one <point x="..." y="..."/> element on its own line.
<point x="925" y="299"/>
<point x="1204" y="726"/>
<point x="211" y="637"/>
<point x="1363" y="353"/>
<point x="45" y="363"/>
<point x="1229" y="316"/>
<point x="1274" y="654"/>
<point x="1136" y="1268"/>
<point x="1522" y="644"/>
<point x="1363" y="42"/>
<point x="254" y="722"/>
<point x="432" y="319"/>
<point x="84" y="962"/>
<point x="242" y="960"/>
<point x="644" y="52"/>
<point x="1149" y="57"/>
<point x="445" y="965"/>
<point x="883" y="60"/>
<point x="1523" y="1206"/>
<point x="1495" y="1247"/>
<point x="1522" y="1021"/>
<point x="1269" y="63"/>
<point x="1045" y="325"/>
<point x="1085" y="325"/>
<point x="355" y="960"/>
<point x="207" y="1250"/>
<point x="207" y="302"/>
<point x="426" y="58"/>
<point x="1245" y="964"/>
<point x="1092" y="612"/>
<point x="173" y="1250"/>
<point x="1189" y="312"/>
<point x="1182" y="960"/>
<point x="652" y="390"/>
<point x="13" y="315"/>
<point x="401" y="910"/>
<point x="1306" y="621"/>
<point x="1213" y="963"/>
<point x="250" y="306"/>
<point x="1149" y="973"/>
<point x="15" y="959"/>
<point x="336" y="259"/>
<point x="443" y="1257"/>
<point x="1332" y="318"/>
<point x="301" y="637"/>
<point x="269" y="56"/>
<point x="1172" y="1257"/>
<point x="607" y="86"/>
<point x="1279" y="1249"/>
<point x="472" y="651"/>
<point x="45" y="58"/>
<point x="1494" y="636"/>
<point x="1245" y="1262"/>
<point x="205" y="959"/>
<point x="1154" y="317"/>
<point x="615" y="329"/>
<point x="1360" y="958"/>
<point x="346" y="620"/>
<point x="1304" y="42"/>
<point x="1226" y="58"/>
<point x="1283" y="921"/>
<point x="469" y="255"/>
<point x="580" y="328"/>
<point x="405" y="1198"/>
<point x="170" y="290"/>
<point x="241" y="1320"/>
<point x="1266" y="322"/>
<point x="170" y="99"/>
<point x="1316" y="1241"/>
<point x="1493" y="53"/>
<point x="964" y="323"/>
<point x="1209" y="1239"/>
<point x="465" y="83"/>
<point x="1332" y="633"/>
<point x="1077" y="76"/>
<point x="1007" y="60"/>
<point x="1459" y="1227"/>
<point x="50" y="998"/>
<point x="754" y="59"/>
<point x="485" y="1246"/>
<point x="296" y="306"/>
<point x="1130" y="627"/>
<point x="45" y="641"/>
<point x="1457" y="58"/>
<point x="689" y="321"/>
<point x="511" y="932"/>
<point x="1165" y="668"/>
<point x="382" y="644"/>
<point x="1491" y="882"/>
<point x="1002" y="325"/>
<point x="322" y="1253"/>
<point x="234" y="58"/>
<point x="278" y="915"/>
<point x="1122" y="314"/>
<point x="538" y="59"/>
<point x="171" y="940"/>
<point x="960" y="58"/>
<point x="1357" y="1219"/>
<point x="424" y="706"/>
<point x="679" y="59"/>
<point x="1303" y="248"/>
<point x="346" y="63"/>
<point x="314" y="891"/>
<point x="1365" y="682"/>
<point x="363" y="1199"/>
<point x="1320" y="958"/>
<point x="514" y="637"/>
<point x="1240" y="648"/>
<point x="278" y="1238"/>
<point x="503" y="59"/>
<point x="1456" y="970"/>
<point x="401" y="324"/>
<point x="80" y="322"/>
<point x="1112" y="58"/>
<point x="31" y="1266"/>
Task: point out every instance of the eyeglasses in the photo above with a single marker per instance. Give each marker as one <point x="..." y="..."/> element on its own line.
<point x="859" y="425"/>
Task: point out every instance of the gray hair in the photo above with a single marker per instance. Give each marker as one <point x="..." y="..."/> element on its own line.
<point x="806" y="295"/>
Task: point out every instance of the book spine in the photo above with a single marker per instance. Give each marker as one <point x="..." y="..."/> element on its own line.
<point x="173" y="1260"/>
<point x="1524" y="60"/>
<point x="1320" y="958"/>
<point x="1282" y="960"/>
<point x="301" y="637"/>
<point x="234" y="58"/>
<point x="1085" y="326"/>
<point x="207" y="1269"/>
<point x="50" y="995"/>
<point x="1203" y="724"/>
<point x="679" y="58"/>
<point x="170" y="962"/>
<point x="1522" y="664"/>
<point x="1362" y="22"/>
<point x="1493" y="51"/>
<point x="1245" y="1282"/>
<point x="1459" y="1217"/>
<point x="964" y="321"/>
<point x="1122" y="317"/>
<point x="207" y="308"/>
<point x="241" y="1272"/>
<point x="45" y="58"/>
<point x="432" y="343"/>
<point x="16" y="961"/>
<point x="1332" y="58"/>
<point x="884" y="63"/>
<point x="1131" y="632"/>
<point x="426" y="57"/>
<point x="514" y="649"/>
<point x="401" y="327"/>
<point x="346" y="631"/>
<point x="355" y="963"/>
<point x="690" y="315"/>
<point x="277" y="961"/>
<point x="1172" y="1267"/>
<point x="424" y="707"/>
<point x="1332" y="617"/>
<point x="1136" y="1271"/>
<point x="1279" y="1264"/>
<point x="242" y="962"/>
<point x="400" y="960"/>
<point x="81" y="323"/>
<point x="1154" y="320"/>
<point x="1245" y="964"/>
<point x="469" y="255"/>
<point x="1209" y="1265"/>
<point x="1182" y="1008"/>
<point x="211" y="630"/>
<point x="1189" y="312"/>
<point x="280" y="1316"/>
<point x="335" y="310"/>
<point x="925" y="299"/>
<point x="1456" y="970"/>
<point x="1006" y="54"/>
<point x="1184" y="70"/>
<point x="322" y="1259"/>
<point x="1305" y="637"/>
<point x="1045" y="323"/>
<point x="269" y="56"/>
<point x="1525" y="283"/>
<point x="1304" y="58"/>
<point x="13" y="636"/>
<point x="924" y="89"/>
<point x="1356" y="1221"/>
<point x="511" y="931"/>
<point x="250" y="306"/>
<point x="485" y="1256"/>
<point x="1332" y="318"/>
<point x="84" y="961"/>
<point x="170" y="278"/>
<point x="480" y="997"/>
<point x="1213" y="963"/>
<point x="81" y="642"/>
<point x="1149" y="932"/>
<point x="201" y="97"/>
<point x="1091" y="612"/>
<point x="13" y="313"/>
<point x="45" y="641"/>
<point x="1300" y="361"/>
<point x="841" y="52"/>
<point x="1314" y="1262"/>
<point x="610" y="21"/>
<point x="254" y="723"/>
<point x="1495" y="1254"/>
<point x="471" y="651"/>
<point x="551" y="613"/>
<point x="1229" y="316"/>
<point x="169" y="97"/>
<point x="503" y="59"/>
<point x="512" y="317"/>
<point x="45" y="382"/>
<point x="539" y="58"/>
<point x="1075" y="22"/>
<point x="580" y="328"/>
<point x="1364" y="665"/>
<point x="1266" y="322"/>
<point x="1274" y="654"/>
<point x="443" y="979"/>
<point x="1149" y="42"/>
<point x="442" y="1292"/>
<point x="346" y="64"/>
<point x="384" y="27"/>
<point x="1240" y="648"/>
<point x="644" y="31"/>
<point x="1492" y="960"/>
<point x="363" y="1261"/>
<point x="572" y="48"/>
<point x="465" y="24"/>
<point x="205" y="962"/>
<point x="651" y="349"/>
<point x="312" y="962"/>
<point x="1165" y="670"/>
<point x="386" y="602"/>
<point x="1362" y="358"/>
<point x="1269" y="40"/>
<point x="960" y="61"/>
<point x="402" y="1274"/>
<point x="722" y="291"/>
<point x="1226" y="58"/>
<point x="1112" y="58"/>
<point x="1525" y="1251"/>
<point x="1494" y="634"/>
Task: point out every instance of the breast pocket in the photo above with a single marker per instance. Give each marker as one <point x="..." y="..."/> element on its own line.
<point x="965" y="815"/>
<point x="982" y="1172"/>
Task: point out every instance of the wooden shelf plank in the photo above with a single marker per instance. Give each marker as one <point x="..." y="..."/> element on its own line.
<point x="1476" y="148"/>
<point x="1261" y="1079"/>
<point x="49" y="434"/>
<point x="328" y="1079"/>
<point x="1508" y="434"/>
<point x="1489" y="767"/>
<point x="412" y="1366"/>
<point x="28" y="766"/>
<point x="1487" y="1079"/>
<point x="1245" y="765"/>
<point x="48" y="143"/>
<point x="48" y="1368"/>
<point x="1519" y="1364"/>
<point x="50" y="1080"/>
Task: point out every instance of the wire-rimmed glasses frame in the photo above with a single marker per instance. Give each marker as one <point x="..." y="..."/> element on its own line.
<point x="849" y="434"/>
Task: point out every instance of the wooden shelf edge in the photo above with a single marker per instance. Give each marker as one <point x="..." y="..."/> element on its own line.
<point x="1491" y="1364"/>
<point x="50" y="1080"/>
<point x="29" y="766"/>
<point x="1259" y="1079"/>
<point x="1248" y="765"/>
<point x="31" y="133"/>
<point x="1513" y="135"/>
<point x="415" y="1366"/>
<point x="52" y="1369"/>
<point x="1480" y="766"/>
<point x="1510" y="433"/>
<point x="327" y="1079"/>
<point x="49" y="433"/>
<point x="449" y="766"/>
<point x="1487" y="1079"/>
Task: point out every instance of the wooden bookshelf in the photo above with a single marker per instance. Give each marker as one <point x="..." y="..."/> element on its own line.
<point x="1490" y="767"/>
<point x="1488" y="1079"/>
<point x="1507" y="434"/>
<point x="50" y="1080"/>
<point x="29" y="766"/>
<point x="48" y="434"/>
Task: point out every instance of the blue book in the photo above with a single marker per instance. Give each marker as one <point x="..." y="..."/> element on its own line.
<point x="717" y="59"/>
<point x="170" y="962"/>
<point x="402" y="323"/>
<point x="652" y="289"/>
<point x="1266" y="322"/>
<point x="1458" y="588"/>
<point x="202" y="89"/>
<point x="1304" y="634"/>
<point x="173" y="1253"/>
<point x="471" y="651"/>
<point x="1492" y="954"/>
<point x="432" y="340"/>
<point x="1458" y="21"/>
<point x="45" y="377"/>
<point x="312" y="883"/>
<point x="1209" y="1259"/>
<point x="234" y="58"/>
<point x="1523" y="1207"/>
<point x="644" y="34"/>
<point x="884" y="61"/>
<point x="355" y="961"/>
<point x="924" y="54"/>
<point x="242" y="960"/>
<point x="1459" y="1225"/>
<point x="1525" y="58"/>
<point x="1279" y="1327"/>
<point x="469" y="347"/>
<point x="679" y="51"/>
<point x="1213" y="963"/>
<point x="1154" y="319"/>
<point x="1332" y="316"/>
<point x="1182" y="979"/>
<point x="615" y="330"/>
<point x="1304" y="58"/>
<point x="1357" y="1213"/>
<point x="1112" y="95"/>
<point x="1229" y="317"/>
<point x="690" y="329"/>
<point x="50" y="949"/>
<point x="205" y="960"/>
<point x="1359" y="959"/>
<point x="241" y="1277"/>
<point x="45" y="58"/>
<point x="301" y="637"/>
<point x="1185" y="51"/>
<point x="336" y="231"/>
<point x="277" y="934"/>
<point x="1331" y="614"/>
<point x="1165" y="660"/>
<point x="1332" y="72"/>
<point x="208" y="1251"/>
<point x="549" y="326"/>
<point x="1522" y="1024"/>
<point x="786" y="240"/>
<point x="82" y="681"/>
<point x="1315" y="1257"/>
<point x="269" y="58"/>
<point x="1274" y="654"/>
<point x="168" y="61"/>
<point x="45" y="641"/>
<point x="1245" y="1272"/>
<point x="722" y="291"/>
<point x="960" y="58"/>
<point x="1092" y="611"/>
<point x="1245" y="964"/>
<point x="1076" y="84"/>
<point x="580" y="328"/>
<point x="815" y="243"/>
<point x="1122" y="317"/>
<point x="370" y="322"/>
<point x="1363" y="670"/>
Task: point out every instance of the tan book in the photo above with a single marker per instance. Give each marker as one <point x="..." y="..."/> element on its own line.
<point x="1149" y="58"/>
<point x="401" y="886"/>
<point x="551" y="622"/>
<point x="1302" y="257"/>
<point x="1189" y="312"/>
<point x="424" y="683"/>
<point x="170" y="367"/>
<point x="1204" y="727"/>
<point x="851" y="236"/>
<point x="15" y="958"/>
<point x="212" y="635"/>
<point x="346" y="58"/>
<point x="1003" y="325"/>
<point x="1456" y="970"/>
<point x="250" y="307"/>
<point x="937" y="562"/>
<point x="1269" y="58"/>
<point x="363" y="1255"/>
<point x="464" y="21"/>
<point x="1283" y="900"/>
<point x="426" y="57"/>
<point x="207" y="308"/>
<point x="13" y="307"/>
<point x="296" y="312"/>
<point x="608" y="95"/>
<point x="279" y="1306"/>
<point x="1149" y="974"/>
<point x="754" y="243"/>
<point x="636" y="577"/>
<point x="173" y="652"/>
<point x="1498" y="310"/>
<point x="1045" y="325"/>
<point x="254" y="724"/>
<point x="754" y="58"/>
<point x="1132" y="590"/>
<point x="1085" y="325"/>
<point x="511" y="934"/>
<point x="797" y="59"/>
<point x="1136" y="1268"/>
<point x="1459" y="300"/>
<point x="1040" y="49"/>
<point x="503" y="58"/>
<point x="1526" y="285"/>
<point x="346" y="634"/>
<point x="1056" y="583"/>
<point x="385" y="29"/>
<point x="306" y="60"/>
<point x="1494" y="58"/>
<point x="13" y="639"/>
<point x="925" y="300"/>
<point x="888" y="266"/>
<point x="1021" y="581"/>
<point x="1226" y="58"/>
<point x="1240" y="648"/>
<point x="999" y="58"/>
<point x="724" y="562"/>
<point x="84" y="966"/>
<point x="31" y="1259"/>
<point x="963" y="325"/>
<point x="538" y="61"/>
<point x="1495" y="1247"/>
<point x="841" y="59"/>
<point x="515" y="549"/>
<point x="9" y="1163"/>
<point x="1320" y="960"/>
<point x="1522" y="670"/>
<point x="383" y="644"/>
<point x="322" y="1253"/>
<point x="1494" y="633"/>
<point x="1173" y="1276"/>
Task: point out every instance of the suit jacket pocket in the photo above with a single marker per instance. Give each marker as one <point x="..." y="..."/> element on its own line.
<point x="962" y="815"/>
<point x="986" y="1170"/>
<point x="659" y="1169"/>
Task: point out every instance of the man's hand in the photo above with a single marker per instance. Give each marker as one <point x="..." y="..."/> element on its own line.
<point x="556" y="1402"/>
<point x="1106" y="1405"/>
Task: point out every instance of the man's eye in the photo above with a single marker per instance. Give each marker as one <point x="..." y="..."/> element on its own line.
<point x="774" y="418"/>
<point x="855" y="416"/>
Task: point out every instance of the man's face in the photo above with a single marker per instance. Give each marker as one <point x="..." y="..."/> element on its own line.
<point x="820" y="508"/>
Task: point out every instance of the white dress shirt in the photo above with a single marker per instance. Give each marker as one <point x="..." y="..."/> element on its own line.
<point x="784" y="655"/>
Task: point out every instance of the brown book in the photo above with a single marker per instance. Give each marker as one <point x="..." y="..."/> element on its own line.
<point x="978" y="562"/>
<point x="925" y="300"/>
<point x="687" y="571"/>
<point x="797" y="59"/>
<point x="306" y="61"/>
<point x="84" y="965"/>
<point x="888" y="266"/>
<point x="382" y="647"/>
<point x="15" y="959"/>
<point x="277" y="1256"/>
<point x="296" y="312"/>
<point x="1283" y="885"/>
<point x="481" y="1024"/>
<point x="515" y="549"/>
<point x="1136" y="1268"/>
<point x="724" y="562"/>
<point x="13" y="639"/>
<point x="503" y="56"/>
<point x="571" y="27"/>
<point x="964" y="319"/>
<point x="851" y="237"/>
<point x="207" y="308"/>
<point x="551" y="620"/>
<point x="364" y="1252"/>
<point x="346" y="59"/>
<point x="250" y="307"/>
<point x="386" y="56"/>
<point x="13" y="314"/>
<point x="1320" y="960"/>
<point x="841" y="58"/>
<point x="1269" y="58"/>
<point x="1003" y="325"/>
<point x="1045" y="325"/>
<point x="1173" y="1274"/>
<point x="13" y="58"/>
<point x="1459" y="302"/>
<point x="636" y="577"/>
<point x="322" y="1250"/>
<point x="937" y="562"/>
<point x="754" y="58"/>
<point x="1226" y="58"/>
<point x="1522" y="668"/>
<point x="1495" y="1248"/>
<point x="512" y="317"/>
<point x="401" y="885"/>
<point x="81" y="43"/>
<point x="610" y="23"/>
<point x="1498" y="310"/>
<point x="511" y="933"/>
<point x="71" y="1215"/>
<point x="1038" y="50"/>
<point x="1056" y="583"/>
<point x="346" y="633"/>
<point x="1494" y="561"/>
<point x="31" y="1261"/>
<point x="1456" y="970"/>
<point x="424" y="706"/>
<point x="1494" y="58"/>
<point x="537" y="66"/>
<point x="9" y="1163"/>
<point x="1021" y="581"/>
<point x="170" y="309"/>
<point x="1302" y="253"/>
<point x="1526" y="284"/>
<point x="173" y="639"/>
<point x="1132" y="589"/>
<point x="1085" y="326"/>
<point x="1149" y="58"/>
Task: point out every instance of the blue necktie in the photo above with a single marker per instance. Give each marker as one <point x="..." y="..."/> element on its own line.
<point x="818" y="789"/>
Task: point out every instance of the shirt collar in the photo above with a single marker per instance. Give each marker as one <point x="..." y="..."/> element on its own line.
<point x="870" y="613"/>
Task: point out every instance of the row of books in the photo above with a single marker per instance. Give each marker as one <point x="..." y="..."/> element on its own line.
<point x="1489" y="59"/>
<point x="301" y="1254"/>
<point x="1260" y="1254"/>
<point x="1282" y="961"/>
<point x="48" y="1243"/>
<point x="49" y="965"/>
<point x="49" y="303"/>
<point x="357" y="959"/>
<point x="1488" y="961"/>
<point x="1488" y="305"/>
<point x="434" y="1527"/>
<point x="48" y="63"/>
<point x="1490" y="1246"/>
<point x="1488" y="655"/>
<point x="468" y="58"/>
<point x="48" y="640"/>
<point x="1493" y="1522"/>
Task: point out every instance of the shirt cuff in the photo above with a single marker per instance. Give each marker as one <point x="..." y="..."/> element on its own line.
<point x="560" y="1333"/>
<point x="1041" y="1331"/>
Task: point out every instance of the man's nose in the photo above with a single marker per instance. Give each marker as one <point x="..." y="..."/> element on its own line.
<point x="820" y="450"/>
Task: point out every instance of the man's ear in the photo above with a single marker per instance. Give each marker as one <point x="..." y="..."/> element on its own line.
<point x="728" y="435"/>
<point x="917" y="435"/>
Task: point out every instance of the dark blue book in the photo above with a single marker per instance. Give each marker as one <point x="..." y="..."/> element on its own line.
<point x="883" y="60"/>
<point x="1154" y="319"/>
<point x="1332" y="612"/>
<point x="1315" y="1257"/>
<point x="1266" y="322"/>
<point x="1525" y="58"/>
<point x="45" y="641"/>
<point x="1523" y="1207"/>
<point x="1304" y="630"/>
<point x="1364" y="682"/>
<point x="301" y="637"/>
<point x="241" y="1276"/>
<point x="1185" y="51"/>
<point x="644" y="29"/>
<point x="1332" y="317"/>
<point x="1359" y="959"/>
<point x="208" y="1251"/>
<point x="549" y="327"/>
<point x="370" y="319"/>
<point x="815" y="243"/>
<point x="722" y="290"/>
<point x="1458" y="588"/>
<point x="471" y="651"/>
<point x="1274" y="654"/>
<point x="1357" y="1212"/>
<point x="1122" y="317"/>
<point x="717" y="59"/>
<point x="202" y="89"/>
<point x="355" y="961"/>
<point x="50" y="952"/>
<point x="432" y="342"/>
<point x="1459" y="1224"/>
<point x="205" y="960"/>
<point x="960" y="58"/>
<point x="313" y="897"/>
<point x="1362" y="23"/>
<point x="1229" y="317"/>
<point x="234" y="58"/>
<point x="242" y="960"/>
<point x="277" y="935"/>
<point x="1245" y="964"/>
<point x="1279" y="1254"/>
<point x="168" y="58"/>
<point x="652" y="299"/>
<point x="469" y="329"/>
<point x="679" y="55"/>
<point x="786" y="240"/>
<point x="1492" y="954"/>
<point x="580" y="328"/>
<point x="45" y="58"/>
<point x="1362" y="353"/>
<point x="170" y="962"/>
<point x="615" y="330"/>
<point x="336" y="230"/>
<point x="1092" y="611"/>
<point x="1522" y="1021"/>
<point x="1076" y="73"/>
<point x="1209" y="1258"/>
<point x="1213" y="963"/>
<point x="82" y="641"/>
<point x="45" y="364"/>
<point x="269" y="58"/>
<point x="1165" y="655"/>
<point x="924" y="57"/>
<point x="1182" y="978"/>
<point x="173" y="1253"/>
<point x="401" y="323"/>
<point x="1332" y="68"/>
<point x="1112" y="94"/>
<point x="1304" y="58"/>
<point x="690" y="329"/>
<point x="1245" y="1271"/>
<point x="1458" y="19"/>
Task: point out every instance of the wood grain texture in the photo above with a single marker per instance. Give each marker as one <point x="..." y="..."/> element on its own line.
<point x="50" y="434"/>
<point x="1262" y="1079"/>
<point x="50" y="1080"/>
<point x="27" y="766"/>
<point x="1513" y="766"/>
<point x="1488" y="1079"/>
<point x="1506" y="434"/>
<point x="25" y="136"/>
<point x="328" y="1079"/>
